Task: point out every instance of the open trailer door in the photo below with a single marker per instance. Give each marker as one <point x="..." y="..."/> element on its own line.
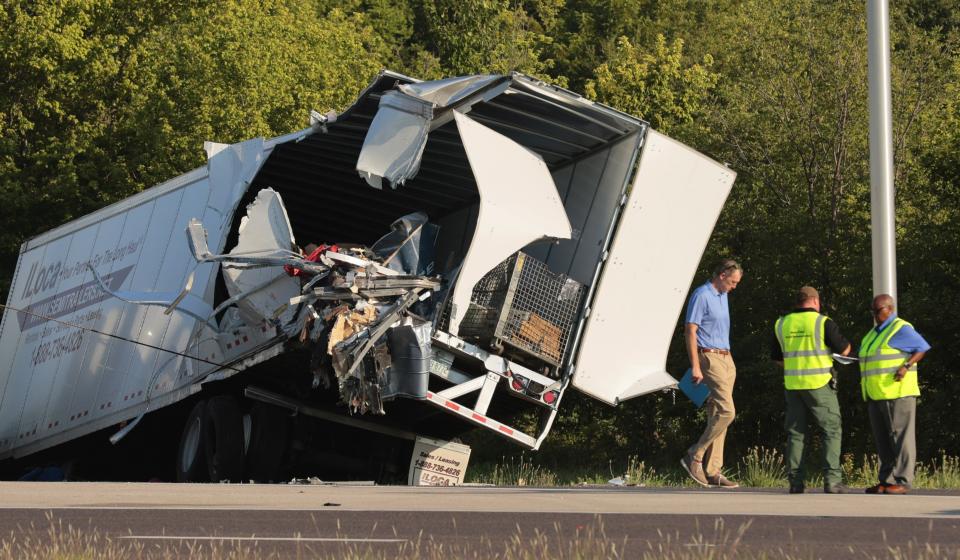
<point x="674" y="202"/>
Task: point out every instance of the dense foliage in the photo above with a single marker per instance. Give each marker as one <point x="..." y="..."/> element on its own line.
<point x="100" y="99"/>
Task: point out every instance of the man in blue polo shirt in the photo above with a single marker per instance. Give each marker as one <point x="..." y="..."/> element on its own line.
<point x="707" y="333"/>
<point x="888" y="378"/>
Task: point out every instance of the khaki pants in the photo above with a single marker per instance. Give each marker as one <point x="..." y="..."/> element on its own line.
<point x="719" y="373"/>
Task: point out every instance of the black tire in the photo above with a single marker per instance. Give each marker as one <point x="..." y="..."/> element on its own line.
<point x="268" y="441"/>
<point x="223" y="439"/>
<point x="191" y="454"/>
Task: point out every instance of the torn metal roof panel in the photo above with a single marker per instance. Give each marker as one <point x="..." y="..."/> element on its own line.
<point x="324" y="193"/>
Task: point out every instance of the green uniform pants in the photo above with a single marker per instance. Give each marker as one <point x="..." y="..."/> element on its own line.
<point x="822" y="406"/>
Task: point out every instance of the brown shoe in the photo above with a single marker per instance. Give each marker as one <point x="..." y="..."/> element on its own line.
<point x="876" y="489"/>
<point x="695" y="469"/>
<point x="895" y="489"/>
<point x="721" y="481"/>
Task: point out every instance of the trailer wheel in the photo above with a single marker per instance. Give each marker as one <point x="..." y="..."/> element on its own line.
<point x="268" y="441"/>
<point x="191" y="459"/>
<point x="223" y="439"/>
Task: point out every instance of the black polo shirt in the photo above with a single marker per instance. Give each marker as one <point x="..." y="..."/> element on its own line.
<point x="831" y="332"/>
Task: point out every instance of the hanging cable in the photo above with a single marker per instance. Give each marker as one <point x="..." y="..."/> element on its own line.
<point x="118" y="337"/>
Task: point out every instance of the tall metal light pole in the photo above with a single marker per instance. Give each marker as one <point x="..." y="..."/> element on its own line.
<point x="882" y="206"/>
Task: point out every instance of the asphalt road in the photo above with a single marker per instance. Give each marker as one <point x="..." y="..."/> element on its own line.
<point x="287" y="520"/>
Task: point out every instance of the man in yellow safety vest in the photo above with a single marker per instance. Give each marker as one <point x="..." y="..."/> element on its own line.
<point x="806" y="341"/>
<point x="888" y="379"/>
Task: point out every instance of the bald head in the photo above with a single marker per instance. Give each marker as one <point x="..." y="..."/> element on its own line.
<point x="883" y="300"/>
<point x="807" y="296"/>
<point x="883" y="307"/>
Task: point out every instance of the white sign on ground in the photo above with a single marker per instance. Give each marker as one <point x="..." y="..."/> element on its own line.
<point x="438" y="463"/>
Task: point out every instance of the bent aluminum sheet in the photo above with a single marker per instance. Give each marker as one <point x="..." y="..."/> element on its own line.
<point x="263" y="230"/>
<point x="398" y="134"/>
<point x="675" y="201"/>
<point x="443" y="93"/>
<point x="396" y="139"/>
<point x="519" y="204"/>
<point x="183" y="300"/>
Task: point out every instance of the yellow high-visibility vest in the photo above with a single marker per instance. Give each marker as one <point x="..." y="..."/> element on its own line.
<point x="879" y="363"/>
<point x="806" y="357"/>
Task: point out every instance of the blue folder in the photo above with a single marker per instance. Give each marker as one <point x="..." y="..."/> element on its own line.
<point x="697" y="393"/>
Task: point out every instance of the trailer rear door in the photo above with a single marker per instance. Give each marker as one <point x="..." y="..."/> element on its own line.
<point x="674" y="202"/>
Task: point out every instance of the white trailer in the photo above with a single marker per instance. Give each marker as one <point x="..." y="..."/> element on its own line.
<point x="131" y="309"/>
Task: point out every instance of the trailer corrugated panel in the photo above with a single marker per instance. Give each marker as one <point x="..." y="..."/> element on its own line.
<point x="59" y="382"/>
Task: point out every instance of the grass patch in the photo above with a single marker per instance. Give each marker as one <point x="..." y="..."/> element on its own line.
<point x="862" y="473"/>
<point x="524" y="471"/>
<point x="66" y="542"/>
<point x="590" y="541"/>
<point x="941" y="473"/>
<point x="760" y="468"/>
<point x="513" y="471"/>
<point x="639" y="474"/>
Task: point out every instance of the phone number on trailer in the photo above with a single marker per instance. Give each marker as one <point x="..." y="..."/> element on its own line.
<point x="53" y="349"/>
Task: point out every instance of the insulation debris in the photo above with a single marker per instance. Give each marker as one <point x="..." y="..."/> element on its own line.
<point x="349" y="322"/>
<point x="341" y="301"/>
<point x="347" y="310"/>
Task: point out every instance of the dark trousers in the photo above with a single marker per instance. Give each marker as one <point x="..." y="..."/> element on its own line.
<point x="822" y="407"/>
<point x="894" y="431"/>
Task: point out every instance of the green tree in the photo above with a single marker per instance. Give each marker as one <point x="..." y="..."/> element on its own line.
<point x="790" y="115"/>
<point x="928" y="230"/>
<point x="653" y="85"/>
<point x="488" y="36"/>
<point x="588" y="31"/>
<point x="103" y="100"/>
<point x="252" y="68"/>
<point x="66" y="77"/>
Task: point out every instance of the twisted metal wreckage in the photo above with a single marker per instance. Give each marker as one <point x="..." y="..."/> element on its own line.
<point x="369" y="313"/>
<point x="357" y="307"/>
<point x="474" y="244"/>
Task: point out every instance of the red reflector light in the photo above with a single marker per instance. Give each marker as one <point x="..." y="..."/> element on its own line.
<point x="550" y="397"/>
<point x="519" y="382"/>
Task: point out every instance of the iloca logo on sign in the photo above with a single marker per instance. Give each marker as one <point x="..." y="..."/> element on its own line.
<point x="41" y="278"/>
<point x="68" y="301"/>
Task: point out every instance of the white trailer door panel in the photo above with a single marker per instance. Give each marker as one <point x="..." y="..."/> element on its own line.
<point x="519" y="204"/>
<point x="674" y="202"/>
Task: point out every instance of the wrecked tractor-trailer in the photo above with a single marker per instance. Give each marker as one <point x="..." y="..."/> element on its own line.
<point x="442" y="256"/>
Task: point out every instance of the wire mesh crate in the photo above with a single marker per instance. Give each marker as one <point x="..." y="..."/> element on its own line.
<point x="524" y="305"/>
